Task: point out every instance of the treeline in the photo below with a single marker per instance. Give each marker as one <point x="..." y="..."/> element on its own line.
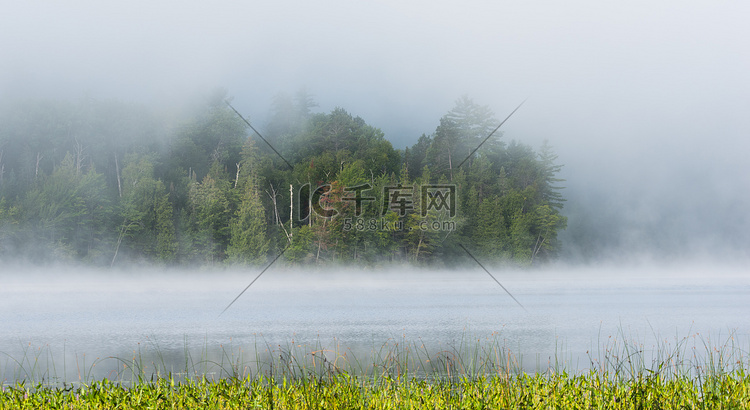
<point x="108" y="183"/>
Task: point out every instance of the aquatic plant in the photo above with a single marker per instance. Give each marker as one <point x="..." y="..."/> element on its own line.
<point x="474" y="373"/>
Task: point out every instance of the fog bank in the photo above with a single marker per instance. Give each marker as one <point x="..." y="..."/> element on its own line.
<point x="646" y="104"/>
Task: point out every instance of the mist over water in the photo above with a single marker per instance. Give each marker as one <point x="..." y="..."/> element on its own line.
<point x="573" y="315"/>
<point x="645" y="104"/>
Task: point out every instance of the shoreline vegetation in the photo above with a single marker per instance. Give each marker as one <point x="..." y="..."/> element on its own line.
<point x="110" y="184"/>
<point x="692" y="372"/>
<point x="559" y="390"/>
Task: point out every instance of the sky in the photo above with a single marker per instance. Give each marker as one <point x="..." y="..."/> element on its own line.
<point x="646" y="103"/>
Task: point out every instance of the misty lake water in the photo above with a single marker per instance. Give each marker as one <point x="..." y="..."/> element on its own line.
<point x="64" y="320"/>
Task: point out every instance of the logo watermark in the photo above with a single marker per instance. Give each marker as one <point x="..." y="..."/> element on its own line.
<point x="437" y="199"/>
<point x="434" y="203"/>
<point x="382" y="224"/>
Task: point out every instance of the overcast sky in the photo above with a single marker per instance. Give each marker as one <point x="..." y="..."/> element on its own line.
<point x="647" y="103"/>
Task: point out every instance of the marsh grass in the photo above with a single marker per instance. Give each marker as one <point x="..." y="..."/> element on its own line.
<point x="691" y="372"/>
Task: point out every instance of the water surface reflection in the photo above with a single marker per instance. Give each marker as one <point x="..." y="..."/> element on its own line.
<point x="60" y="321"/>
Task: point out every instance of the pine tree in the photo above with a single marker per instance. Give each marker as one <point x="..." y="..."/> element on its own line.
<point x="548" y="187"/>
<point x="147" y="227"/>
<point x="211" y="203"/>
<point x="248" y="243"/>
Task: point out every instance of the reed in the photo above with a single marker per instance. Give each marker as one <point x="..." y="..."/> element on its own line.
<point x="694" y="372"/>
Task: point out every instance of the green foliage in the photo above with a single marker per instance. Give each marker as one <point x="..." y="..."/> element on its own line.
<point x="491" y="232"/>
<point x="300" y="249"/>
<point x="404" y="376"/>
<point x="147" y="226"/>
<point x="346" y="392"/>
<point x="462" y="130"/>
<point x="67" y="213"/>
<point x="349" y="139"/>
<point x="248" y="242"/>
<point x="104" y="182"/>
<point x="215" y="136"/>
<point x="166" y="246"/>
<point x="211" y="202"/>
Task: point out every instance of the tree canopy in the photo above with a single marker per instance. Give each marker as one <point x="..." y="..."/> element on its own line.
<point x="110" y="183"/>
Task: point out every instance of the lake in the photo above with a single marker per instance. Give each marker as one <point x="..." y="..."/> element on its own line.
<point x="56" y="323"/>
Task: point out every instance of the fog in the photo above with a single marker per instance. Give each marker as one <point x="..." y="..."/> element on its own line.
<point x="646" y="104"/>
<point x="83" y="324"/>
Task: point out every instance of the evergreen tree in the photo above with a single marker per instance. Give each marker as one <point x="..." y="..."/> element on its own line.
<point x="548" y="187"/>
<point x="211" y="203"/>
<point x="417" y="154"/>
<point x="491" y="235"/>
<point x="147" y="228"/>
<point x="248" y="243"/>
<point x="67" y="212"/>
<point x="89" y="181"/>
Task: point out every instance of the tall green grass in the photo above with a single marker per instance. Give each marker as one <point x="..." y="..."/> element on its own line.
<point x="692" y="372"/>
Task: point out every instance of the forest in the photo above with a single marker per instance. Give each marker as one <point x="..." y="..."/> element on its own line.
<point x="110" y="183"/>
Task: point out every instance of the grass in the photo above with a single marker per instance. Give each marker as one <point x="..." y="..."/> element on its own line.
<point x="475" y="374"/>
